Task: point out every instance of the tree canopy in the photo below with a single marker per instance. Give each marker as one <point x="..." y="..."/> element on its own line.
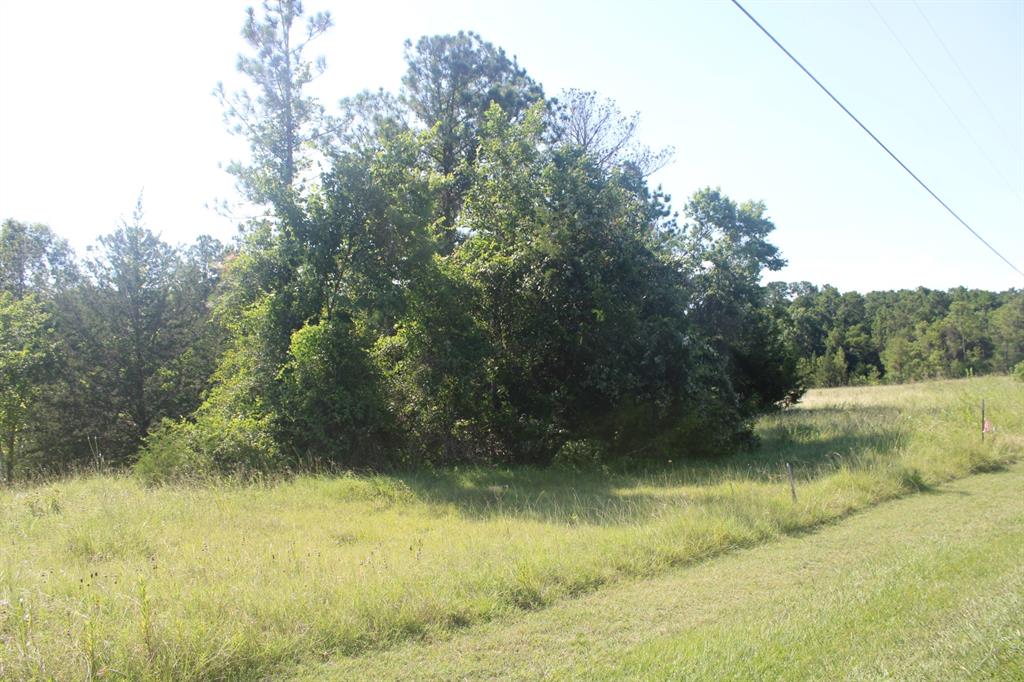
<point x="481" y="274"/>
<point x="897" y="336"/>
<point x="470" y="272"/>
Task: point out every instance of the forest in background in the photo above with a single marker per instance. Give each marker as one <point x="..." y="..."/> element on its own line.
<point x="850" y="338"/>
<point x="466" y="270"/>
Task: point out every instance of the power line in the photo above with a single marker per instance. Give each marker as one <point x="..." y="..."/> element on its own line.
<point x="967" y="80"/>
<point x="873" y="137"/>
<point x="949" y="108"/>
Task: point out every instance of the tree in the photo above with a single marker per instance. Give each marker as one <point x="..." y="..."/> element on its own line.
<point x="450" y="83"/>
<point x="363" y="250"/>
<point x="1008" y="332"/>
<point x="195" y="335"/>
<point x="966" y="332"/>
<point x="139" y="341"/>
<point x="305" y="301"/>
<point x="582" y="307"/>
<point x="906" y="335"/>
<point x="457" y="285"/>
<point x="724" y="249"/>
<point x="596" y="126"/>
<point x="280" y="118"/>
<point x="37" y="270"/>
<point x="33" y="260"/>
<point x="27" y="344"/>
<point x="132" y="308"/>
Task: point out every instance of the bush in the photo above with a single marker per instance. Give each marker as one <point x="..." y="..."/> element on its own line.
<point x="167" y="455"/>
<point x="1018" y="371"/>
<point x="332" y="404"/>
<point x="214" y="444"/>
<point x="578" y="455"/>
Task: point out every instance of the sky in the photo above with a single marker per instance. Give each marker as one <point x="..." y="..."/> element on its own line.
<point x="104" y="100"/>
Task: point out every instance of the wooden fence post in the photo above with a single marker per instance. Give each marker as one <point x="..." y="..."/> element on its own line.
<point x="792" y="483"/>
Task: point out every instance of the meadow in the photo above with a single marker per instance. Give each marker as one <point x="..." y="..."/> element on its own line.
<point x="104" y="578"/>
<point x="927" y="587"/>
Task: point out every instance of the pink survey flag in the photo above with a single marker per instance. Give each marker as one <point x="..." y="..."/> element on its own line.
<point x="987" y="427"/>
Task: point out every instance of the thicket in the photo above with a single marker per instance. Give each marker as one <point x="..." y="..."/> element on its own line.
<point x="466" y="270"/>
<point x="95" y="352"/>
<point x="469" y="271"/>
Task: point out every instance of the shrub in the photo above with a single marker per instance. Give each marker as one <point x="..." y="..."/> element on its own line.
<point x="214" y="444"/>
<point x="1018" y="371"/>
<point x="166" y="455"/>
<point x="332" y="405"/>
<point x="578" y="455"/>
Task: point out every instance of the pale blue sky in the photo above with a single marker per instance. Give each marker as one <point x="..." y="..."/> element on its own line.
<point x="99" y="100"/>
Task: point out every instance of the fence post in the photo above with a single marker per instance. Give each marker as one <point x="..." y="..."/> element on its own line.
<point x="792" y="483"/>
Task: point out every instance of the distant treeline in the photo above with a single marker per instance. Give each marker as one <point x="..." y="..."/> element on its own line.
<point x="898" y="336"/>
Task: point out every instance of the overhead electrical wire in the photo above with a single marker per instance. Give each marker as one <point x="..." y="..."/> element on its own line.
<point x="967" y="80"/>
<point x="875" y="138"/>
<point x="938" y="93"/>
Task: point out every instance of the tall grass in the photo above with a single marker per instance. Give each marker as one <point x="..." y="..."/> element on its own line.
<point x="101" y="577"/>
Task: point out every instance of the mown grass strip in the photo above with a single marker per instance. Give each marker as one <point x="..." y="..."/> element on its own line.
<point x="928" y="587"/>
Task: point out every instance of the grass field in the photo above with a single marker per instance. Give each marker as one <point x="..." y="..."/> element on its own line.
<point x="103" y="578"/>
<point x="930" y="587"/>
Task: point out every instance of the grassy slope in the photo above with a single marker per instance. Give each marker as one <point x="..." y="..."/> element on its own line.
<point x="99" y="575"/>
<point x="929" y="587"/>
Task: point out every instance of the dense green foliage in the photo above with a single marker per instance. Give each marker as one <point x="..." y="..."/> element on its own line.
<point x="898" y="336"/>
<point x="467" y="279"/>
<point x="463" y="271"/>
<point x="26" y="347"/>
<point x="94" y="353"/>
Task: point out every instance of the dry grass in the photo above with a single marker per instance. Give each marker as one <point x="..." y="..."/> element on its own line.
<point x="101" y="577"/>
